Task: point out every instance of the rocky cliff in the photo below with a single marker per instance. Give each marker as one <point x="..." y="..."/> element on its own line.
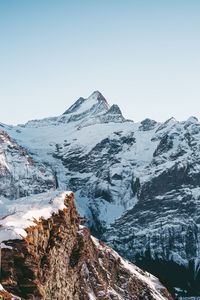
<point x="5" y="295"/>
<point x="56" y="258"/>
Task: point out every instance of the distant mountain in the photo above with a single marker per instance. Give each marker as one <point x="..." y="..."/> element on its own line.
<point x="137" y="184"/>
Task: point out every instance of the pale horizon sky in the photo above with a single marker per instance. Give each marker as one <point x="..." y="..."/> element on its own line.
<point x="142" y="55"/>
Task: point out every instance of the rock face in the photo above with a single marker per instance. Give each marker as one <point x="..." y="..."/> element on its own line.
<point x="20" y="175"/>
<point x="137" y="184"/>
<point x="4" y="295"/>
<point x="162" y="231"/>
<point x="58" y="259"/>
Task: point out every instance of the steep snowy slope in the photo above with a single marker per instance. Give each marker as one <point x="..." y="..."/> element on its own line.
<point x="20" y="175"/>
<point x="68" y="142"/>
<point x="143" y="177"/>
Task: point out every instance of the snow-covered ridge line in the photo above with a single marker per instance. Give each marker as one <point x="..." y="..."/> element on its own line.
<point x="152" y="282"/>
<point x="17" y="215"/>
<point x="92" y="107"/>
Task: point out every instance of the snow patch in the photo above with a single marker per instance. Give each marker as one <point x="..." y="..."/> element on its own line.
<point x="17" y="215"/>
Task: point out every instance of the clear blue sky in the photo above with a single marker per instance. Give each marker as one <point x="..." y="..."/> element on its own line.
<point x="142" y="55"/>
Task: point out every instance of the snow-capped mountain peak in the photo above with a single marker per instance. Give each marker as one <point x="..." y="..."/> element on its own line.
<point x="74" y="107"/>
<point x="97" y="95"/>
<point x="140" y="180"/>
<point x="94" y="104"/>
<point x="81" y="111"/>
<point x="114" y="110"/>
<point x="192" y="120"/>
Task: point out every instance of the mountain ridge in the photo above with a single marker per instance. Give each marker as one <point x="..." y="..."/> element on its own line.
<point x="51" y="256"/>
<point x="122" y="173"/>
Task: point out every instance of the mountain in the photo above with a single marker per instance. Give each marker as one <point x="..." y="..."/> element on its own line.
<point x="20" y="175"/>
<point x="49" y="255"/>
<point x="136" y="184"/>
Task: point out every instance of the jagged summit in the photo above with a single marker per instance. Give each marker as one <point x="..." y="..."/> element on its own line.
<point x="114" y="110"/>
<point x="84" y="112"/>
<point x="99" y="97"/>
<point x="95" y="103"/>
<point x="75" y="106"/>
<point x="170" y="121"/>
<point x="193" y="120"/>
<point x="147" y="124"/>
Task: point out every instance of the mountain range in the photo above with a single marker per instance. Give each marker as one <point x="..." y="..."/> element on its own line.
<point x="137" y="185"/>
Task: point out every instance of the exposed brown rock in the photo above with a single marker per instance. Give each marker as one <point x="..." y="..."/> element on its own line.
<point x="5" y="295"/>
<point x="58" y="260"/>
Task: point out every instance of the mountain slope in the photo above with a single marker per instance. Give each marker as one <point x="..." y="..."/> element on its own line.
<point x="20" y="175"/>
<point x="50" y="256"/>
<point x="137" y="184"/>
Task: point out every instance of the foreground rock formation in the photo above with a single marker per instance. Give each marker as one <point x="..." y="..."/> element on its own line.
<point x="56" y="258"/>
<point x="4" y="295"/>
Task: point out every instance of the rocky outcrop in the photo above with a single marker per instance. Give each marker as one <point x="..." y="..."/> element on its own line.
<point x="58" y="259"/>
<point x="4" y="295"/>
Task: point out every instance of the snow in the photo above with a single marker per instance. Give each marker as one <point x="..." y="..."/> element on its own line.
<point x="88" y="103"/>
<point x="91" y="296"/>
<point x="42" y="141"/>
<point x="108" y="212"/>
<point x="133" y="161"/>
<point x="151" y="281"/>
<point x="96" y="242"/>
<point x="3" y="161"/>
<point x="112" y="293"/>
<point x="13" y="297"/>
<point x="17" y="215"/>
